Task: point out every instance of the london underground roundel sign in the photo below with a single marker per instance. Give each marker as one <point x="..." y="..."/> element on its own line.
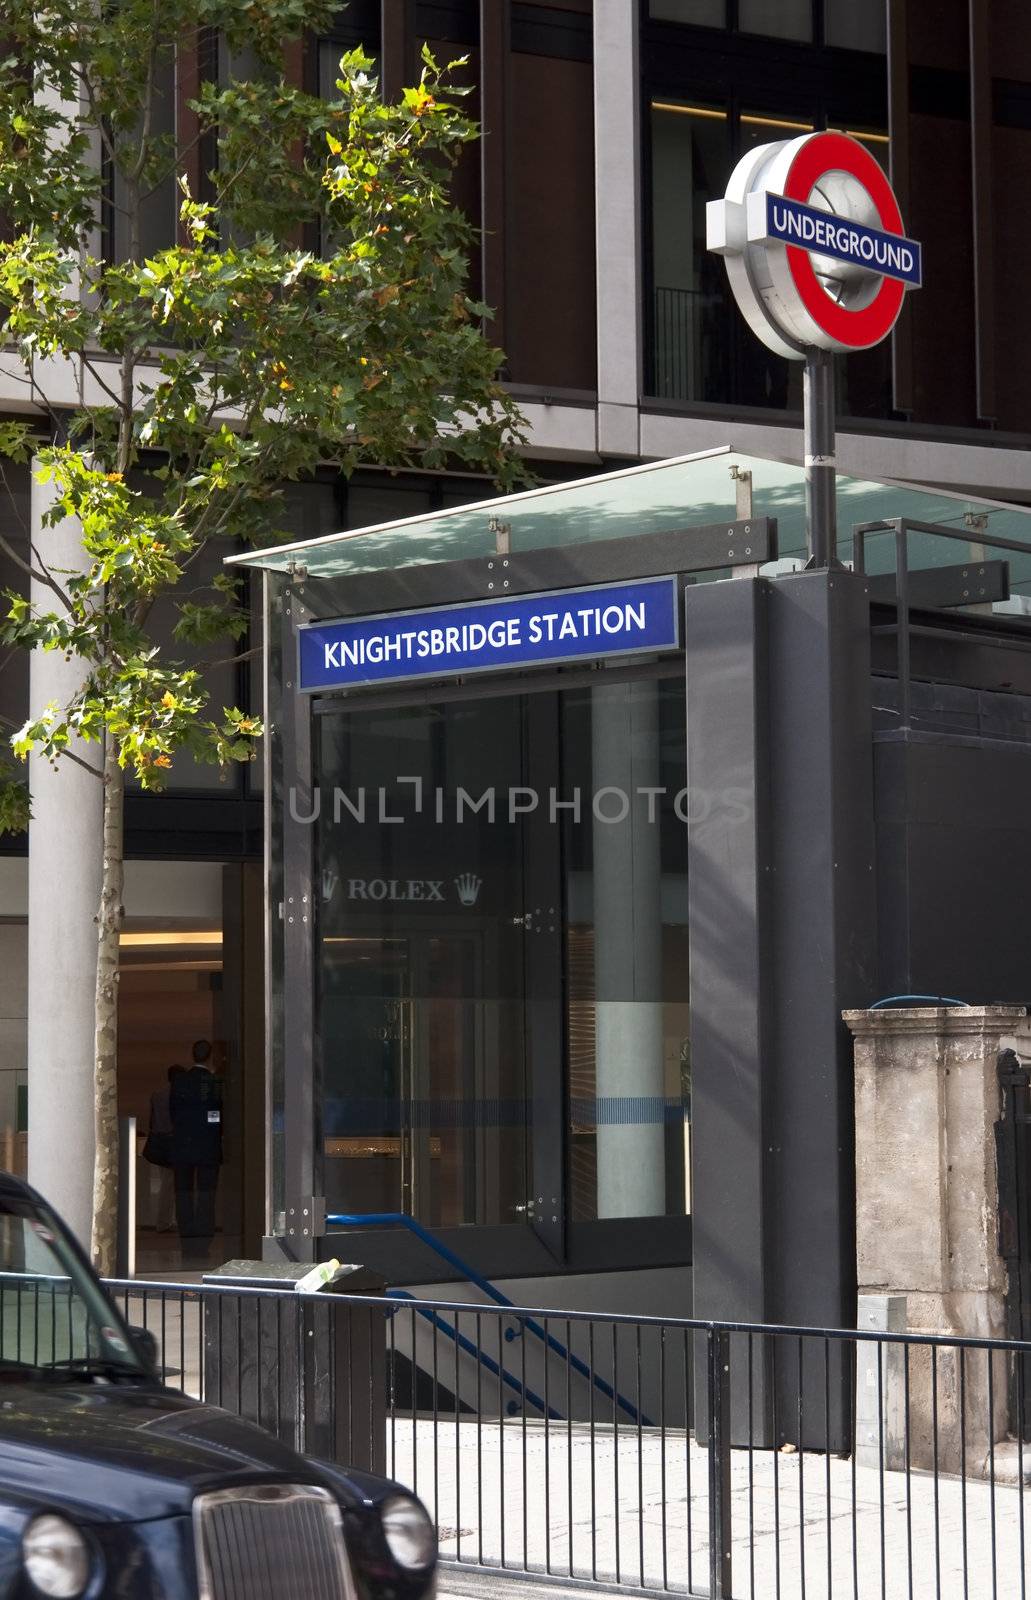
<point x="814" y="244"/>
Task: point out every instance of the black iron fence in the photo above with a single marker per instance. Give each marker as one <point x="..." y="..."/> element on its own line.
<point x="652" y="1454"/>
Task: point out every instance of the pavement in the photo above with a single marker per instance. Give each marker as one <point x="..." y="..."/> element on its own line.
<point x="521" y="1499"/>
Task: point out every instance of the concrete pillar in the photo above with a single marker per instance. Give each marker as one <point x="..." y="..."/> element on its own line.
<point x="64" y="894"/>
<point x="927" y="1101"/>
<point x="617" y="184"/>
<point x="628" y="951"/>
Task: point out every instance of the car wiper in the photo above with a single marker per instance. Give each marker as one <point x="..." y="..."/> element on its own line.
<point x="93" y="1367"/>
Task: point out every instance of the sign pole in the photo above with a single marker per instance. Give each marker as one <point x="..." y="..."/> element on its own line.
<point x="820" y="466"/>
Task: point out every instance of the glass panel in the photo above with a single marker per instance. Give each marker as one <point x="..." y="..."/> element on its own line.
<point x="780" y="19"/>
<point x="663" y="495"/>
<point x="692" y="312"/>
<point x="701" y="13"/>
<point x="428" y="935"/>
<point x="853" y="26"/>
<point x="627" y="950"/>
<point x="422" y="951"/>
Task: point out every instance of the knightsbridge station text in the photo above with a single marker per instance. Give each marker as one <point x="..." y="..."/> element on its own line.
<point x="410" y="644"/>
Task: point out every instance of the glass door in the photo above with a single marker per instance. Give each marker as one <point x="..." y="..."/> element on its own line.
<point x="503" y="957"/>
<point x="427" y="1055"/>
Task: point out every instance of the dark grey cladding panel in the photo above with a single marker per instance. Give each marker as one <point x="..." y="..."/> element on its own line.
<point x="821" y="944"/>
<point x="726" y="725"/>
<point x="954" y="867"/>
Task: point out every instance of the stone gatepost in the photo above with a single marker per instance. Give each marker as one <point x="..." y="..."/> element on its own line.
<point x="927" y="1101"/>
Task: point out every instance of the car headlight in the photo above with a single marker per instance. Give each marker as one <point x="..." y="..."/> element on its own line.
<point x="410" y="1535"/>
<point x="56" y="1557"/>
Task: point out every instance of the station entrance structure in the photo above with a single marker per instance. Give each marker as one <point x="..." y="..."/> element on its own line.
<point x="588" y="1042"/>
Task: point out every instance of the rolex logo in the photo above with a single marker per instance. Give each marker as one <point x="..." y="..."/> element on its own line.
<point x="468" y="886"/>
<point x="330" y="879"/>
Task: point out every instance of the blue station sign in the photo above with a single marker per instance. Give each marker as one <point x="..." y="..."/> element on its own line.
<point x="487" y="635"/>
<point x="890" y="255"/>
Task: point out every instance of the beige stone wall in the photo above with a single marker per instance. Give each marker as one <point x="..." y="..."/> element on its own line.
<point x="927" y="1100"/>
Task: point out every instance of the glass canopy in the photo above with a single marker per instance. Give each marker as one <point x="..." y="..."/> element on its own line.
<point x="659" y="496"/>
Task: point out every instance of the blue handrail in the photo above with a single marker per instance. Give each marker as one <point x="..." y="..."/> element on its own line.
<point x="398" y="1219"/>
<point x="395" y="1219"/>
<point x="466" y="1344"/>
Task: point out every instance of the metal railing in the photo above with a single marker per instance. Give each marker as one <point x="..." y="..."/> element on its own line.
<point x="690" y="343"/>
<point x="778" y="1462"/>
<point x="906" y="580"/>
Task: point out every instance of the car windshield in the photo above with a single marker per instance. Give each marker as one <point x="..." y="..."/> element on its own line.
<point x="56" y="1323"/>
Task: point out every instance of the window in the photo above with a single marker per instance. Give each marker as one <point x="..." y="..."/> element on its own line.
<point x="690" y="165"/>
<point x="778" y="19"/>
<point x="701" y="350"/>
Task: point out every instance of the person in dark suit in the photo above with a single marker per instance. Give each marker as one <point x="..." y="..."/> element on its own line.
<point x="196" y="1113"/>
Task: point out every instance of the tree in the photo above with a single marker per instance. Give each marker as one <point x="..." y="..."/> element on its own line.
<point x="311" y="310"/>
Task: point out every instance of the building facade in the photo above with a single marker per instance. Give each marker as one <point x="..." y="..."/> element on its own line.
<point x="607" y="127"/>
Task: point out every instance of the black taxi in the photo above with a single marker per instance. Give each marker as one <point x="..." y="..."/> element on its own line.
<point x="112" y="1485"/>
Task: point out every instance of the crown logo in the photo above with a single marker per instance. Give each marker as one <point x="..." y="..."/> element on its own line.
<point x="330" y="879"/>
<point x="468" y="886"/>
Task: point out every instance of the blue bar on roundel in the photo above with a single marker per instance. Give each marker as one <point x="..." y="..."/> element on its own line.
<point x="890" y="255"/>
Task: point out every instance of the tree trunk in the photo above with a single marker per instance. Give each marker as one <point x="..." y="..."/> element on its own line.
<point x="109" y="926"/>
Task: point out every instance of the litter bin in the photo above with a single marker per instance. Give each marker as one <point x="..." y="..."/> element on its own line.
<point x="309" y="1368"/>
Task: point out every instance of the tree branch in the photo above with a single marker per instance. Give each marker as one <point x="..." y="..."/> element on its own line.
<point x="46" y="576"/>
<point x="19" y="561"/>
<point x="230" y="661"/>
<point x="94" y="373"/>
<point x="91" y="95"/>
<point x="136" y="171"/>
<point x="69" y="755"/>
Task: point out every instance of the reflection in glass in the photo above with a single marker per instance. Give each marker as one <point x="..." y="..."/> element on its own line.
<point x="690" y="166"/>
<point x="627" y="952"/>
<point x="52" y="1312"/>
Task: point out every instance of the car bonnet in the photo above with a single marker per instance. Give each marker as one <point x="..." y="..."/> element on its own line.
<point x="115" y="1453"/>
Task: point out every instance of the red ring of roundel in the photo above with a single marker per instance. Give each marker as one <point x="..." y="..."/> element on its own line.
<point x="836" y="152"/>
